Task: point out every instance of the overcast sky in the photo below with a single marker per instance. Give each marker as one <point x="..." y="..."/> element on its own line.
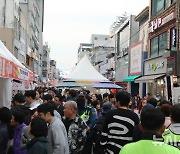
<point x="67" y="23"/>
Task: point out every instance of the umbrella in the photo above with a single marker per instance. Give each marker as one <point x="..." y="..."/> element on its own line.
<point x="106" y="85"/>
<point x="69" y="84"/>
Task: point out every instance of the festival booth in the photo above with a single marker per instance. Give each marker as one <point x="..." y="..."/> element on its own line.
<point x="13" y="76"/>
<point x="85" y="73"/>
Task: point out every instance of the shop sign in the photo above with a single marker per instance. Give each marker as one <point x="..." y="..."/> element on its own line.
<point x="6" y="68"/>
<point x="10" y="70"/>
<point x="156" y="23"/>
<point x="174" y="37"/>
<point x="136" y="59"/>
<point x="155" y="66"/>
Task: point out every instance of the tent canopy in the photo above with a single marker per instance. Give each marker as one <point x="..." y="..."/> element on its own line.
<point x="85" y="72"/>
<point x="69" y="84"/>
<point x="106" y="85"/>
<point x="12" y="67"/>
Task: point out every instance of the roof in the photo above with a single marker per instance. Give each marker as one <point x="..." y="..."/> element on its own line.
<point x="142" y="14"/>
<point x="85" y="71"/>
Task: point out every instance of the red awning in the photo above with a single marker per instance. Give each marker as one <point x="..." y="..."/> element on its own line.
<point x="10" y="67"/>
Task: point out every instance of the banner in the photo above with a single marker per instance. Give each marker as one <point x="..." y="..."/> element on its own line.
<point x="10" y="70"/>
<point x="136" y="59"/>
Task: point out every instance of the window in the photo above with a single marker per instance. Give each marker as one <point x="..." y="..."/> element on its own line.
<point x="162" y="43"/>
<point x="158" y="6"/>
<point x="172" y="1"/>
<point x="44" y="64"/>
<point x="44" y="73"/>
<point x="154" y="47"/>
<point x="158" y="45"/>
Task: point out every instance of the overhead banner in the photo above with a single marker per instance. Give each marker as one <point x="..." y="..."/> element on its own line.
<point x="10" y="70"/>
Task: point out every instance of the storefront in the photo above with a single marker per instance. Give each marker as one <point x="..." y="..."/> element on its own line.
<point x="155" y="77"/>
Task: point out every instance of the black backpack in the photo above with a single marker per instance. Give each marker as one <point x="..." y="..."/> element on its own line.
<point x="97" y="130"/>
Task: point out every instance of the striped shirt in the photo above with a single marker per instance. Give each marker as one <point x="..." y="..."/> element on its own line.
<point x="118" y="129"/>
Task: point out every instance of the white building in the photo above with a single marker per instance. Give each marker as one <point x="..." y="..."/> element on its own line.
<point x="102" y="45"/>
<point x="45" y="63"/>
<point x="84" y="49"/>
<point x="33" y="10"/>
<point x="9" y="25"/>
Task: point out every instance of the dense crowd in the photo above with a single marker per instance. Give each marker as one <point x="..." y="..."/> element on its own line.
<point x="49" y="121"/>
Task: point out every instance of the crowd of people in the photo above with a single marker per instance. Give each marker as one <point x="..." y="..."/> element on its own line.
<point x="49" y="121"/>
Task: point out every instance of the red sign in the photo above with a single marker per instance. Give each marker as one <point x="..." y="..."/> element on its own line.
<point x="10" y="70"/>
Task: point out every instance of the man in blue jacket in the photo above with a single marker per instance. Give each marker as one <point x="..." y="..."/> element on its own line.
<point x="89" y="115"/>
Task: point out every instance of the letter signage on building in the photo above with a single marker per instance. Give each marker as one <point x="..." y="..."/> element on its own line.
<point x="136" y="59"/>
<point x="155" y="66"/>
<point x="156" y="23"/>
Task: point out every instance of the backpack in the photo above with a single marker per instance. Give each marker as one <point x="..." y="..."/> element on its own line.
<point x="97" y="130"/>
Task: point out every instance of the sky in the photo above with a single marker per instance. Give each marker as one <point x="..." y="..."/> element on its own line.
<point x="67" y="23"/>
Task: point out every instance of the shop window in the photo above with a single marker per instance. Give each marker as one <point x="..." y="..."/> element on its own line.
<point x="173" y="39"/>
<point x="158" y="45"/>
<point x="158" y="6"/>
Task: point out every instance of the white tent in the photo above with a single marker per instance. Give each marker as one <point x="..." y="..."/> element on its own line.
<point x="85" y="73"/>
<point x="10" y="68"/>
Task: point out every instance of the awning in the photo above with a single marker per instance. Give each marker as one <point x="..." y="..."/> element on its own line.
<point x="149" y="78"/>
<point x="131" y="78"/>
<point x="10" y="67"/>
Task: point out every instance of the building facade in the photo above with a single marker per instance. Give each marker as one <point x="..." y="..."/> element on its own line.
<point x="34" y="13"/>
<point x="138" y="52"/>
<point x="102" y="45"/>
<point x="162" y="66"/>
<point x="45" y="63"/>
<point x="54" y="74"/>
<point x="21" y="27"/>
<point x="10" y="25"/>
<point x="125" y="36"/>
<point x="84" y="49"/>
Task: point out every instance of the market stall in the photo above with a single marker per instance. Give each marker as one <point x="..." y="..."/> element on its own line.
<point x="11" y="68"/>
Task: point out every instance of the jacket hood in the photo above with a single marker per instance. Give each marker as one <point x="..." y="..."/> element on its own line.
<point x="23" y="108"/>
<point x="38" y="139"/>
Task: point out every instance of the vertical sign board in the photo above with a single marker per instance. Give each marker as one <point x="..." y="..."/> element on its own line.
<point x="136" y="59"/>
